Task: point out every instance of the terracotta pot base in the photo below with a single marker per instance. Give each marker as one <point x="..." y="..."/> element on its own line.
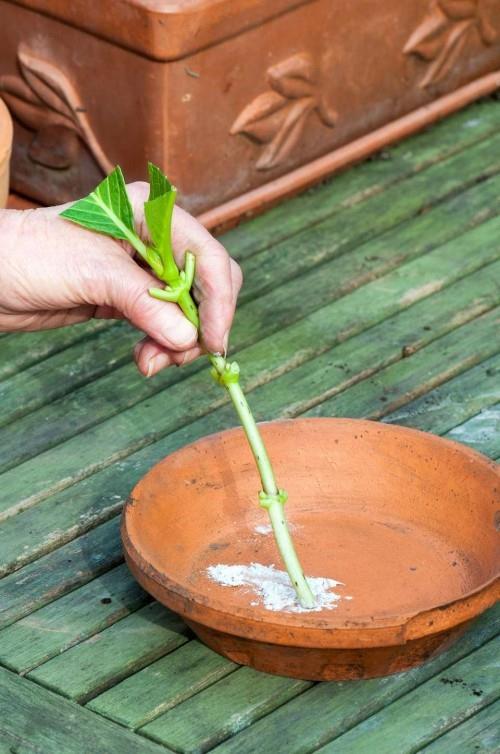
<point x="405" y="520"/>
<point x="325" y="664"/>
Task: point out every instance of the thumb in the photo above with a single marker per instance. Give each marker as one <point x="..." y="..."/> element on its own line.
<point x="126" y="290"/>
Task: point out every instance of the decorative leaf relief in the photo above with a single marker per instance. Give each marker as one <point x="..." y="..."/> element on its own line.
<point x="442" y="35"/>
<point x="44" y="98"/>
<point x="277" y="118"/>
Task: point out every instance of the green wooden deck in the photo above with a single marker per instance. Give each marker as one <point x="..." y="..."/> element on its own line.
<point x="375" y="295"/>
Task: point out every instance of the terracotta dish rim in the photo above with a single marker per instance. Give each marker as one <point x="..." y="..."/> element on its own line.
<point x="385" y="630"/>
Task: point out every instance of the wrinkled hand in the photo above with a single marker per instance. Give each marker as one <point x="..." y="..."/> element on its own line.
<point x="53" y="273"/>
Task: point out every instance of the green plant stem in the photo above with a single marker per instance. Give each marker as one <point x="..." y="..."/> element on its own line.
<point x="271" y="497"/>
<point x="275" y="500"/>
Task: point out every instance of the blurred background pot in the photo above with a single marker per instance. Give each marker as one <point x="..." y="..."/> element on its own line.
<point x="230" y="97"/>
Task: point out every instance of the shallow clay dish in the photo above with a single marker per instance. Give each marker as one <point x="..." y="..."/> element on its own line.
<point x="407" y="521"/>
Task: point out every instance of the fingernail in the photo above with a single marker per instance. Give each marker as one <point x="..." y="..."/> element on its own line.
<point x="225" y="341"/>
<point x="151" y="367"/>
<point x="184" y="336"/>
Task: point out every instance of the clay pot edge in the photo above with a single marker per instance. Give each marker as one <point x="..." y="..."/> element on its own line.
<point x="436" y="618"/>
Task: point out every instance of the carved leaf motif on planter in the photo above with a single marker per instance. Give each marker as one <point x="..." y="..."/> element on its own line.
<point x="45" y="101"/>
<point x="278" y="117"/>
<point x="442" y="35"/>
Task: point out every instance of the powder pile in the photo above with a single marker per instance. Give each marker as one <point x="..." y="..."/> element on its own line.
<point x="273" y="587"/>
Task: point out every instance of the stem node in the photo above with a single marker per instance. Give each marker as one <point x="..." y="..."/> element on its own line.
<point x="266" y="500"/>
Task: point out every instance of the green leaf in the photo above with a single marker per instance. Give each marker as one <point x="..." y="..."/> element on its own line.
<point x="158" y="182"/>
<point x="107" y="210"/>
<point x="158" y="213"/>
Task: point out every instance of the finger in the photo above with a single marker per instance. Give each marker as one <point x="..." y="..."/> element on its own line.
<point x="215" y="271"/>
<point x="151" y="358"/>
<point x="124" y="286"/>
<point x="236" y="280"/>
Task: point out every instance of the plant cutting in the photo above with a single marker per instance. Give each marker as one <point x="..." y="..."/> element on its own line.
<point x="108" y="210"/>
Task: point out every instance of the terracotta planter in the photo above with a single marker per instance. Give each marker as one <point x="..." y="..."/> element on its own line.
<point x="229" y="96"/>
<point x="407" y="521"/>
<point x="5" y="150"/>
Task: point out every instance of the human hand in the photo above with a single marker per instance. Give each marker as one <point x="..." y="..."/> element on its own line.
<point x="54" y="273"/>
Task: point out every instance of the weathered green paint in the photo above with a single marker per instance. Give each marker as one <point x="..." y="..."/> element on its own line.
<point x="36" y="721"/>
<point x="430" y="710"/>
<point x="480" y="734"/>
<point x="454" y="402"/>
<point x="482" y="431"/>
<point x="60" y="571"/>
<point x="397" y="337"/>
<point x="107" y="657"/>
<point x="400" y="383"/>
<point x="19" y="351"/>
<point x="357" y="224"/>
<point x="65" y="371"/>
<point x="70" y="619"/>
<point x="330" y="709"/>
<point x="354" y="186"/>
<point x="162" y="685"/>
<point x="224" y="709"/>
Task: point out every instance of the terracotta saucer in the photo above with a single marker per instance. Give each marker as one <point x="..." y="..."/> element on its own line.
<point x="408" y="522"/>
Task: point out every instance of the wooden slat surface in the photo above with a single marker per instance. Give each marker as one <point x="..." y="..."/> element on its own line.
<point x="376" y="294"/>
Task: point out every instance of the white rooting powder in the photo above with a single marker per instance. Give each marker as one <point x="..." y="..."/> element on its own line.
<point x="273" y="587"/>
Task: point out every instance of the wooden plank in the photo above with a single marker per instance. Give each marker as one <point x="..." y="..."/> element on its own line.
<point x="117" y="437"/>
<point x="400" y="383"/>
<point x="201" y="722"/>
<point x="395" y="338"/>
<point x="372" y="218"/>
<point x="24" y="349"/>
<point x="70" y="619"/>
<point x="124" y="388"/>
<point x="34" y="720"/>
<point x="481" y="432"/>
<point x="371" y="177"/>
<point x="478" y="735"/>
<point x="33" y="532"/>
<point x="68" y="369"/>
<point x="162" y="685"/>
<point x="111" y="655"/>
<point x="64" y="569"/>
<point x="446" y="224"/>
<point x="329" y="709"/>
<point x="428" y="711"/>
<point x="82" y="409"/>
<point x="454" y="402"/>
